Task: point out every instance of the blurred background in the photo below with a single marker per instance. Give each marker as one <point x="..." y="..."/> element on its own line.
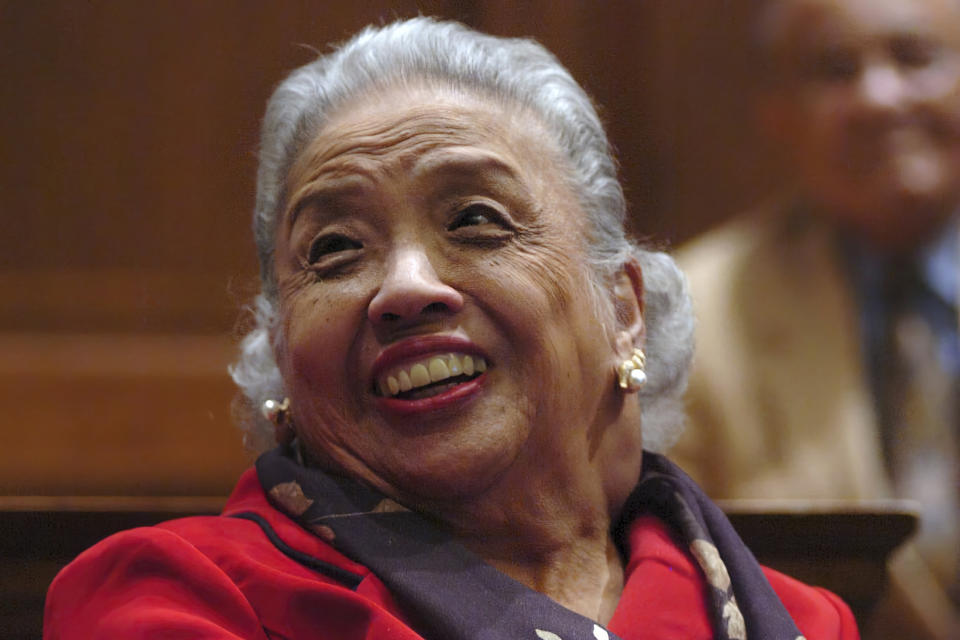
<point x="127" y="161"/>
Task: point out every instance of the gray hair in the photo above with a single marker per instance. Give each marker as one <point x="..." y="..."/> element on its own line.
<point x="515" y="71"/>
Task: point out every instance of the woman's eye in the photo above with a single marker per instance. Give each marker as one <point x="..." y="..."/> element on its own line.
<point x="328" y="245"/>
<point x="473" y="216"/>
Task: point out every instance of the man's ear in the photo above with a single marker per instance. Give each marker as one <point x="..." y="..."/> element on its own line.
<point x="628" y="302"/>
<point x="773" y="113"/>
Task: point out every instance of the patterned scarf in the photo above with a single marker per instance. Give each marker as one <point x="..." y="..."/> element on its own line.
<point x="432" y="576"/>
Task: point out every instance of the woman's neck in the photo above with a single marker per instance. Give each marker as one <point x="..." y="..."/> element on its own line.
<point x="546" y="520"/>
<point x="586" y="577"/>
<point x="547" y="525"/>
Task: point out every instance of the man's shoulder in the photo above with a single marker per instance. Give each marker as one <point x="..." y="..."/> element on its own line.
<point x="770" y="251"/>
<point x="734" y="241"/>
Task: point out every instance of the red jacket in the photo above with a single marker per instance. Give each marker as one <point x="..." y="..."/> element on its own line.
<point x="221" y="577"/>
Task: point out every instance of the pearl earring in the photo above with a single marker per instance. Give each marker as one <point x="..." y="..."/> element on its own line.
<point x="275" y="412"/>
<point x="284" y="431"/>
<point x="630" y="374"/>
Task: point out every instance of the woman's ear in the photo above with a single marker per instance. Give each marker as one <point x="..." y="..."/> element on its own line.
<point x="278" y="345"/>
<point x="628" y="303"/>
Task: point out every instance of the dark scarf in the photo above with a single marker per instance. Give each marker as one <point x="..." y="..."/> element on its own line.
<point x="450" y="594"/>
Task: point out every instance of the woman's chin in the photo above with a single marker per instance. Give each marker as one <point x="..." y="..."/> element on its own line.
<point x="445" y="472"/>
<point x="448" y="446"/>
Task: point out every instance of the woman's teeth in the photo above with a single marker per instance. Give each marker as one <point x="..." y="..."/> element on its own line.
<point x="428" y="371"/>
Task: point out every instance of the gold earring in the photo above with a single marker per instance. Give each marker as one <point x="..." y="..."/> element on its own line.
<point x="279" y="414"/>
<point x="630" y="374"/>
<point x="275" y="412"/>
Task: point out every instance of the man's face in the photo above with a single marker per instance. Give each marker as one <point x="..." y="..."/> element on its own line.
<point x="866" y="106"/>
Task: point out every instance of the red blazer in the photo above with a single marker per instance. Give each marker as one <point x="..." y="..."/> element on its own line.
<point x="223" y="577"/>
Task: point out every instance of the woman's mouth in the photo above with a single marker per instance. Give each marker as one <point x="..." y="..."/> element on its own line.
<point x="429" y="376"/>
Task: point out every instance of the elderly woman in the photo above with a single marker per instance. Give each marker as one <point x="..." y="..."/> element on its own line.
<point x="462" y="359"/>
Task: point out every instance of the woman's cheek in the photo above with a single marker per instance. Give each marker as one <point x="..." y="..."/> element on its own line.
<point x="544" y="268"/>
<point x="318" y="331"/>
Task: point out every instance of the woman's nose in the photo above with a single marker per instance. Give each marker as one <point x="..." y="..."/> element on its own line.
<point x="411" y="290"/>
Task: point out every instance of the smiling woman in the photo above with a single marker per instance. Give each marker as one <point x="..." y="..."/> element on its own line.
<point x="433" y="228"/>
<point x="467" y="367"/>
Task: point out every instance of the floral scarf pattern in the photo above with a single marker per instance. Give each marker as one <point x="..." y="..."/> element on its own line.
<point x="431" y="575"/>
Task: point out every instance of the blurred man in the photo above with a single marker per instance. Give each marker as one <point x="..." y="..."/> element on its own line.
<point x="828" y="358"/>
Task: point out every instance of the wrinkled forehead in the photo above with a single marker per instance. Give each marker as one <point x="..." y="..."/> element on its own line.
<point x="793" y="26"/>
<point x="387" y="115"/>
<point x="414" y="123"/>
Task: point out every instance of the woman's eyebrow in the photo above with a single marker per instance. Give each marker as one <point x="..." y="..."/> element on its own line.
<point x="452" y="172"/>
<point x="454" y="163"/>
<point x="324" y="197"/>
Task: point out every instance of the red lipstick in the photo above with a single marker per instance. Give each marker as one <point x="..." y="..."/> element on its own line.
<point x="418" y="348"/>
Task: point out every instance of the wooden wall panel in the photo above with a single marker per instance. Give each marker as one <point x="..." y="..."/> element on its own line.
<point x="674" y="83"/>
<point x="108" y="414"/>
<point x="126" y="182"/>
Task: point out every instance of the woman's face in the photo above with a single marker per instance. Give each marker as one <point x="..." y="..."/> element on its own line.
<point x="437" y="322"/>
